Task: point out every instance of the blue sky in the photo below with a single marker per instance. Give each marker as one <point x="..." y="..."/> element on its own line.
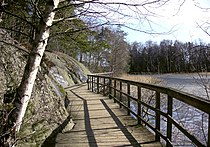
<point x="179" y="17"/>
<point x="182" y="20"/>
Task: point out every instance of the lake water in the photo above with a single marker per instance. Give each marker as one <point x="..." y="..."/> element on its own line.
<point x="192" y="119"/>
<point x="190" y="83"/>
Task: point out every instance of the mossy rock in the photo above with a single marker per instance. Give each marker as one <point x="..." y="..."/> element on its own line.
<point x="41" y="118"/>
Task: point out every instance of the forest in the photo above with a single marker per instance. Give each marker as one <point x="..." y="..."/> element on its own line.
<point x="145" y="58"/>
<point x="169" y="57"/>
<point x="91" y="32"/>
<point x="103" y="47"/>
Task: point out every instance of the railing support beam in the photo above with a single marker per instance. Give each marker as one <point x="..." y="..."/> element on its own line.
<point x="115" y="85"/>
<point x="139" y="104"/>
<point x="97" y="81"/>
<point x="104" y="80"/>
<point x="157" y="119"/>
<point x="92" y="83"/>
<point x="169" y="123"/>
<point x="110" y="87"/>
<point x="128" y="98"/>
<point x="208" y="143"/>
<point x="120" y="93"/>
<point x="88" y="82"/>
<point x="97" y="85"/>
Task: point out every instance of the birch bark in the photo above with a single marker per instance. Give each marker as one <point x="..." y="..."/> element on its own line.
<point x="31" y="69"/>
<point x="1" y="5"/>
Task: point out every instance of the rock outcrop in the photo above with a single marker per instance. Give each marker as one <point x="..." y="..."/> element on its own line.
<point x="46" y="110"/>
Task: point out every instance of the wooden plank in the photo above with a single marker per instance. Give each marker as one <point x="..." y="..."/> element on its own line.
<point x="184" y="131"/>
<point x="100" y="122"/>
<point x="191" y="100"/>
<point x="195" y="101"/>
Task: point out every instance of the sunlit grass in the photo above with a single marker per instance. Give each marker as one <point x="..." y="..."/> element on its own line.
<point x="142" y="78"/>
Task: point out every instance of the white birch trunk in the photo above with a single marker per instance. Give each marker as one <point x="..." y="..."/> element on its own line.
<point x="31" y="69"/>
<point x="1" y="13"/>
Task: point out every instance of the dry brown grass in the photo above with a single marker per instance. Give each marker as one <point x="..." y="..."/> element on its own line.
<point x="142" y="78"/>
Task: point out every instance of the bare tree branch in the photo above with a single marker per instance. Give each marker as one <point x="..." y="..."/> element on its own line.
<point x="202" y="28"/>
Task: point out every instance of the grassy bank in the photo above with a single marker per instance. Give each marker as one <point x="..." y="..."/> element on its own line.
<point x="142" y="78"/>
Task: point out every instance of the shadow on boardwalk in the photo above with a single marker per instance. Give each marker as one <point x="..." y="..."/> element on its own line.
<point x="90" y="135"/>
<point x="100" y="122"/>
<point x="127" y="134"/>
<point x="51" y="140"/>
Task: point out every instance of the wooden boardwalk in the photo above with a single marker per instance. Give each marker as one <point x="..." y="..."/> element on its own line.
<point x="100" y="122"/>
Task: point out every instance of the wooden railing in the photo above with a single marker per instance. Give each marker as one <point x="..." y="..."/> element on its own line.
<point x="119" y="89"/>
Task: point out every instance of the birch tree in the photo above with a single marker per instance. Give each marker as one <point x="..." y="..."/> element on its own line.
<point x="41" y="41"/>
<point x="31" y="69"/>
<point x="92" y="12"/>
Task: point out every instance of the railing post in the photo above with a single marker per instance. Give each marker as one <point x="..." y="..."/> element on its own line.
<point x="120" y="93"/>
<point x="88" y="82"/>
<point x="92" y="83"/>
<point x="128" y="92"/>
<point x="104" y="80"/>
<point x="208" y="143"/>
<point x="139" y="104"/>
<point x="169" y="123"/>
<point x="115" y="85"/>
<point x="97" y="84"/>
<point x="157" y="118"/>
<point x="110" y="87"/>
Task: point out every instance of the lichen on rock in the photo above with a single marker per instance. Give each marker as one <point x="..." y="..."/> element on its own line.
<point x="67" y="71"/>
<point x="57" y="72"/>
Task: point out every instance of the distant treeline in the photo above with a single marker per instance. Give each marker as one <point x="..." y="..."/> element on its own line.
<point x="169" y="57"/>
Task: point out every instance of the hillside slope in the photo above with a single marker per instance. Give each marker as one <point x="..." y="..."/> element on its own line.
<point x="46" y="110"/>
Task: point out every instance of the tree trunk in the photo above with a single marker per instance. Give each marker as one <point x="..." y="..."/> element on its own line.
<point x="80" y="57"/>
<point x="89" y="59"/>
<point x="1" y="5"/>
<point x="31" y="69"/>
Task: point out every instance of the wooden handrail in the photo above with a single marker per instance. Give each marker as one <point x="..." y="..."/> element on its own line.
<point x="104" y="74"/>
<point x="108" y="86"/>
